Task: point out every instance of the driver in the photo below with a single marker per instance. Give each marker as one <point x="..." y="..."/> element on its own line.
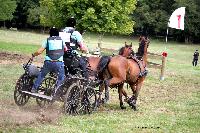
<point x="73" y="40"/>
<point x="54" y="46"/>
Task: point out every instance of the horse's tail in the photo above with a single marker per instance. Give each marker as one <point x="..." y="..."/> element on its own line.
<point x="103" y="63"/>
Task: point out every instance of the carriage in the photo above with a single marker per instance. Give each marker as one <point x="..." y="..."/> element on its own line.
<point x="77" y="92"/>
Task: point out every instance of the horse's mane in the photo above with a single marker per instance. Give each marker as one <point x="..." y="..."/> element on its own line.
<point x="142" y="42"/>
<point x="141" y="47"/>
<point x="121" y="50"/>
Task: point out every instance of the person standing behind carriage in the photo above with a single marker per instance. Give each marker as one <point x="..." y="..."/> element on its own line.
<point x="74" y="41"/>
<point x="54" y="46"/>
<point x="196" y="57"/>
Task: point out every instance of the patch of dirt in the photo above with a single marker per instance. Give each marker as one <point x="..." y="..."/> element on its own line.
<point x="11" y="115"/>
<point x="11" y="58"/>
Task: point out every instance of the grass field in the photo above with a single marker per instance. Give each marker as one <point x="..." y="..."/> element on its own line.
<point x="171" y="105"/>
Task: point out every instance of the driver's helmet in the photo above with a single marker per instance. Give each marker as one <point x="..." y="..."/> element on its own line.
<point x="71" y="22"/>
<point x="53" y="32"/>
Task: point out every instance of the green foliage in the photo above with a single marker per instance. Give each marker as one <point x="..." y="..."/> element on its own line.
<point x="34" y="16"/>
<point x="7" y="7"/>
<point x="22" y="12"/>
<point x="94" y="15"/>
<point x="152" y="15"/>
<point x="192" y="17"/>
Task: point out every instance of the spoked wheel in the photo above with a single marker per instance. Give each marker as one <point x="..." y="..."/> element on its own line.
<point x="72" y="99"/>
<point x="92" y="98"/>
<point x="24" y="83"/>
<point x="88" y="101"/>
<point x="46" y="88"/>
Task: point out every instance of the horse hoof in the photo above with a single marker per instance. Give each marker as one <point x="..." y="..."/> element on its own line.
<point x="134" y="108"/>
<point x="105" y="100"/>
<point x="99" y="103"/>
<point x="123" y="107"/>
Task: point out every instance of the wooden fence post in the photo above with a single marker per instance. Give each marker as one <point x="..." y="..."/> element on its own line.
<point x="164" y="55"/>
<point x="99" y="45"/>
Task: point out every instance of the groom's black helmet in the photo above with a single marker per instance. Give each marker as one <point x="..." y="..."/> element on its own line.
<point x="71" y="22"/>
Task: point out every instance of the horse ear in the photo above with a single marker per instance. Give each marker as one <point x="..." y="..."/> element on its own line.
<point x="140" y="38"/>
<point x="125" y="44"/>
<point x="131" y="44"/>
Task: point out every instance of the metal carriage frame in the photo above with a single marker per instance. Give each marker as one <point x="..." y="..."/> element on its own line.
<point x="77" y="93"/>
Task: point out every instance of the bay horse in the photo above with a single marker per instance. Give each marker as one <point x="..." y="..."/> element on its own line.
<point x="126" y="51"/>
<point x="121" y="70"/>
<point x="93" y="63"/>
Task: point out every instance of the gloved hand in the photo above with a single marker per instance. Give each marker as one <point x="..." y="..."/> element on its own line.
<point x="32" y="56"/>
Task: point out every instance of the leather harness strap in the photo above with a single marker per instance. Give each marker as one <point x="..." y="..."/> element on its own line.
<point x="141" y="74"/>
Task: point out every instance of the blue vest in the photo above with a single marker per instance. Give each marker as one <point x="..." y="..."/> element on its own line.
<point x="54" y="48"/>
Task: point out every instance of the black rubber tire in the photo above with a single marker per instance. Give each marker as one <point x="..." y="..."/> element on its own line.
<point x="72" y="99"/>
<point x="88" y="101"/>
<point x="80" y="99"/>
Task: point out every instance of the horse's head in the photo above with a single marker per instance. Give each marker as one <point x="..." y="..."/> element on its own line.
<point x="143" y="46"/>
<point x="126" y="50"/>
<point x="144" y="40"/>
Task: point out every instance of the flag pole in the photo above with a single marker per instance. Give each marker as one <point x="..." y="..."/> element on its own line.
<point x="166" y="35"/>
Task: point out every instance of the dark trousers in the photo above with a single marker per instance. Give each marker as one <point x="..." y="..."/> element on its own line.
<point x="194" y="62"/>
<point x="57" y="67"/>
<point x="83" y="66"/>
<point x="72" y="62"/>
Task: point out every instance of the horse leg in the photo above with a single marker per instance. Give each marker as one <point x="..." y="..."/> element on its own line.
<point x="132" y="101"/>
<point x="120" y="92"/>
<point x="102" y="86"/>
<point x="125" y="94"/>
<point x="106" y="94"/>
<point x="99" y="100"/>
<point x="135" y="89"/>
<point x="114" y="81"/>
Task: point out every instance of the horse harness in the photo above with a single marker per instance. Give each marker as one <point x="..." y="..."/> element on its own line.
<point x="142" y="73"/>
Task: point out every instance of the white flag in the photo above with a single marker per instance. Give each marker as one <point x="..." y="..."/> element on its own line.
<point x="177" y="19"/>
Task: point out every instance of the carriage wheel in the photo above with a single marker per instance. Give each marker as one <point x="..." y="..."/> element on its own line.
<point x="46" y="88"/>
<point x="68" y="83"/>
<point x="24" y="83"/>
<point x="78" y="72"/>
<point x="88" y="101"/>
<point x="72" y="99"/>
<point x="92" y="97"/>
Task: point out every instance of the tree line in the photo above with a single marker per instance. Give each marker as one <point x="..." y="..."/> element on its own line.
<point x="148" y="17"/>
